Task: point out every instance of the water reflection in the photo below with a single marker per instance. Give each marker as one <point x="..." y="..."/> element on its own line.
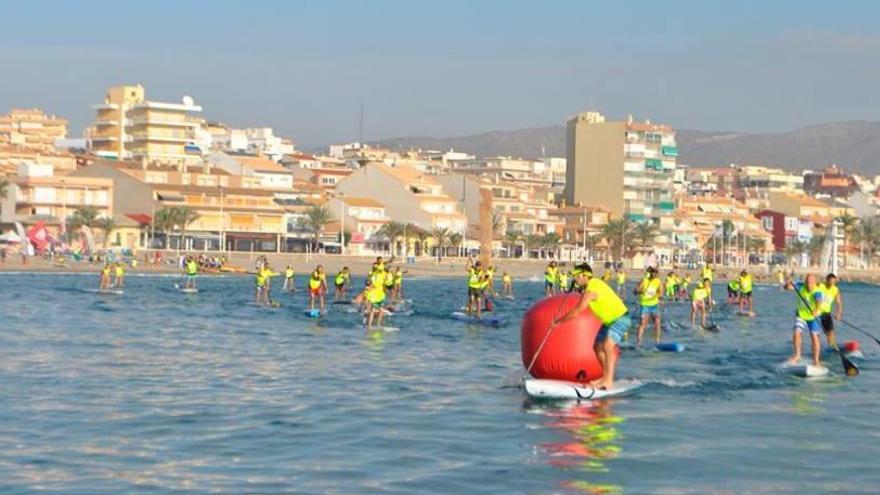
<point x="591" y="439"/>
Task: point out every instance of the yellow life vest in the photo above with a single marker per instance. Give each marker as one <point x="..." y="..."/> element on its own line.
<point x="398" y="278"/>
<point x="700" y="293"/>
<point x="745" y="283"/>
<point x="316" y="279"/>
<point x="707" y="273"/>
<point x="829" y="296"/>
<point x="191" y="268"/>
<point x="119" y="271"/>
<point x="563" y="279"/>
<point x="505" y="279"/>
<point x="550" y="274"/>
<point x="340" y="278"/>
<point x="621" y="278"/>
<point x="475" y="278"/>
<point x="805" y="309"/>
<point x="375" y="293"/>
<point x="289" y="273"/>
<point x="650" y="292"/>
<point x="607" y="305"/>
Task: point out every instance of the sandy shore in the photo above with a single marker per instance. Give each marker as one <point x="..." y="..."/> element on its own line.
<point x="360" y="265"/>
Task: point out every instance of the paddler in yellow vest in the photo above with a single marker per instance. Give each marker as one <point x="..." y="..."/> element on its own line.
<point x="684" y="285"/>
<point x="649" y="291"/>
<point x="573" y="286"/>
<point x="809" y="299"/>
<point x="379" y="265"/>
<point x="699" y="300"/>
<point x="259" y="284"/>
<point x="671" y="286"/>
<point x="398" y="283"/>
<point x="317" y="287"/>
<point x="389" y="282"/>
<point x="375" y="296"/>
<point x="120" y="275"/>
<point x="192" y="270"/>
<point x="611" y="311"/>
<point x="606" y="276"/>
<point x="745" y="293"/>
<point x="830" y="298"/>
<point x="490" y="287"/>
<point x="562" y="279"/>
<point x="507" y="285"/>
<point x="341" y="282"/>
<point x="707" y="273"/>
<point x="105" y="278"/>
<point x="550" y="276"/>
<point x="621" y="283"/>
<point x="475" y="291"/>
<point x="780" y="277"/>
<point x="289" y="285"/>
<point x="733" y="291"/>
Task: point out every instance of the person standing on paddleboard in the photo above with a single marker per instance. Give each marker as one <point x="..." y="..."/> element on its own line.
<point x="507" y="285"/>
<point x="317" y="287"/>
<point x="745" y="293"/>
<point x="551" y="276"/>
<point x="601" y="299"/>
<point x="105" y="278"/>
<point x="288" y="280"/>
<point x="809" y="307"/>
<point x="699" y="301"/>
<point x="475" y="288"/>
<point x="830" y="298"/>
<point x="192" y="269"/>
<point x="119" y="281"/>
<point x="649" y="291"/>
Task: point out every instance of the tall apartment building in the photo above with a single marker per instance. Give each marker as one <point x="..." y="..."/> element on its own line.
<point x="627" y="167"/>
<point x="32" y="129"/>
<point x="130" y="127"/>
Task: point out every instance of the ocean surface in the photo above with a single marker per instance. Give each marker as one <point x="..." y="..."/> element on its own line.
<point x="155" y="391"/>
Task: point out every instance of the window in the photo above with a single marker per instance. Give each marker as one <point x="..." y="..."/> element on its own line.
<point x="767" y="222"/>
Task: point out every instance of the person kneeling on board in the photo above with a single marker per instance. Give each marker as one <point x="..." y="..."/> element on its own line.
<point x="809" y="307"/>
<point x="601" y="299"/>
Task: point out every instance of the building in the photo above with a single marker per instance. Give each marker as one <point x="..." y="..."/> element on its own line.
<point x="760" y="179"/>
<point x="233" y="212"/>
<point x="254" y="140"/>
<point x="581" y="227"/>
<point x="785" y="229"/>
<point x="627" y="167"/>
<point x="32" y="130"/>
<point x="38" y="195"/>
<point x="127" y="126"/>
<point x="270" y="174"/>
<point x="505" y="168"/>
<point x="409" y="196"/>
<point x="363" y="218"/>
<point x="831" y="181"/>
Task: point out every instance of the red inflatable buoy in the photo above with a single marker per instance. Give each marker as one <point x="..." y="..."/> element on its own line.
<point x="568" y="352"/>
<point x="851" y="346"/>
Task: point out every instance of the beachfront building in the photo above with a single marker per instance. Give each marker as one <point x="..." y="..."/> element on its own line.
<point x="711" y="181"/>
<point x="32" y="130"/>
<point x="505" y="168"/>
<point x="409" y="196"/>
<point x="626" y="166"/>
<point x="581" y="231"/>
<point x="253" y="140"/>
<point x="785" y="229"/>
<point x="271" y="175"/>
<point x="831" y="181"/>
<point x="233" y="212"/>
<point x="37" y="195"/>
<point x="127" y="126"/>
<point x="711" y="223"/>
<point x="363" y="218"/>
<point x="759" y="179"/>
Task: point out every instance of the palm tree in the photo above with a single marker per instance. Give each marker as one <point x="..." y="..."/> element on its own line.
<point x="849" y="224"/>
<point x="184" y="215"/>
<point x="163" y="221"/>
<point x="316" y="218"/>
<point x="107" y="225"/>
<point x="868" y="236"/>
<point x="511" y="238"/>
<point x="87" y="215"/>
<point x="440" y="236"/>
<point x="532" y="241"/>
<point x="592" y="240"/>
<point x="814" y="248"/>
<point x="421" y="236"/>
<point x="645" y="232"/>
<point x="794" y="248"/>
<point x="392" y="231"/>
<point x="619" y="234"/>
<point x="551" y="241"/>
<point x="455" y="240"/>
<point x="498" y="223"/>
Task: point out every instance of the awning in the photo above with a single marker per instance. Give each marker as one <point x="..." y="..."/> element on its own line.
<point x="171" y="197"/>
<point x="669" y="150"/>
<point x="141" y="218"/>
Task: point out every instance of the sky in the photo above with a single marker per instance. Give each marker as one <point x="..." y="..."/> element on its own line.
<point x="450" y="68"/>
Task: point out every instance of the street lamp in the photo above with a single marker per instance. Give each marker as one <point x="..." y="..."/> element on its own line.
<point x="341" y="197"/>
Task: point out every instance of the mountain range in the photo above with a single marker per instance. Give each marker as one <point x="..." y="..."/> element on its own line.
<point x="854" y="145"/>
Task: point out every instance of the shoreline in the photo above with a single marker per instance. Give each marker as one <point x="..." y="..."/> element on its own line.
<point x="302" y="264"/>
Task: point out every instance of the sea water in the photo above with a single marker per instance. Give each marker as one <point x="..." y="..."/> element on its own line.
<point x="159" y="391"/>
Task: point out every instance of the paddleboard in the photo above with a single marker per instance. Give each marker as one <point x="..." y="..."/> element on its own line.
<point x="312" y="313"/>
<point x="558" y="389"/>
<point x="383" y="329"/>
<point x="803" y="369"/>
<point x="669" y="347"/>
<point x="342" y="301"/>
<point x="106" y="292"/>
<point x="509" y="298"/>
<point x="488" y="320"/>
<point x="190" y="291"/>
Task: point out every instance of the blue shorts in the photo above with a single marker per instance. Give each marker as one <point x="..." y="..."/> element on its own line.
<point x="616" y="330"/>
<point x="649" y="310"/>
<point x="813" y="325"/>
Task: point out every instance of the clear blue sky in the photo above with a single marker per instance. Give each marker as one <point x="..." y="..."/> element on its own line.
<point x="446" y="68"/>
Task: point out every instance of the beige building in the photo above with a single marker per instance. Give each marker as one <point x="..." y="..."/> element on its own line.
<point x="362" y="218"/>
<point x="38" y="195"/>
<point x="127" y="126"/>
<point x="628" y="167"/>
<point x="409" y="196"/>
<point x="32" y="129"/>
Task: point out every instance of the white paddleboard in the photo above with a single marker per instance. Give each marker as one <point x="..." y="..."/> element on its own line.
<point x="189" y="291"/>
<point x="803" y="369"/>
<point x="383" y="329"/>
<point x="108" y="292"/>
<point x="558" y="389"/>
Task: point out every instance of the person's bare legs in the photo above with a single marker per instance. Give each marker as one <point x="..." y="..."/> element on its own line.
<point x="657" y="328"/>
<point x="796" y="347"/>
<point x="642" y="326"/>
<point x="817" y="348"/>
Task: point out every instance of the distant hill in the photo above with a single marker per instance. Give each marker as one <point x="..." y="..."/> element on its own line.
<point x="854" y="145"/>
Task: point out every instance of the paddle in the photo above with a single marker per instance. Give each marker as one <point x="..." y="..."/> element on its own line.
<point x="848" y="366"/>
<point x="860" y="330"/>
<point x="713" y="327"/>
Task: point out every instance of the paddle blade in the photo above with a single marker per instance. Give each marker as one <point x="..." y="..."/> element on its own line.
<point x="848" y="366"/>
